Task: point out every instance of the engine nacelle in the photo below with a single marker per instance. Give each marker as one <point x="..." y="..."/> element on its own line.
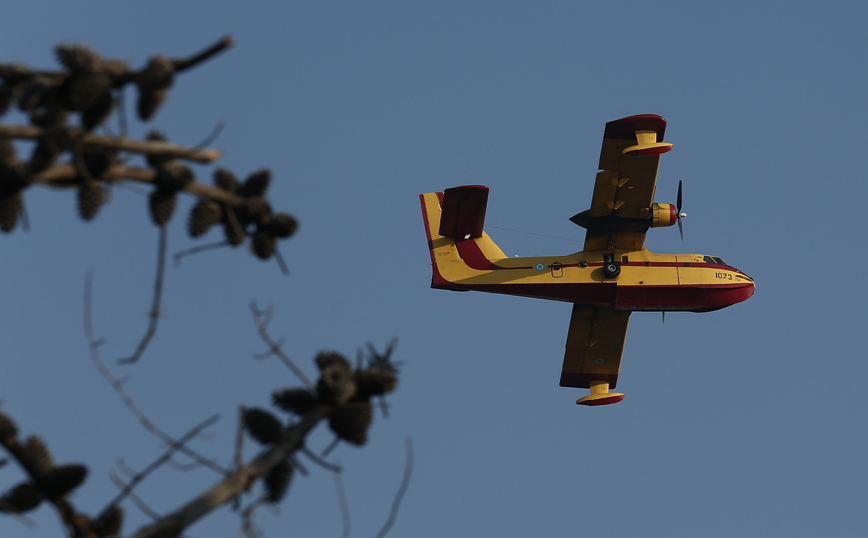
<point x="663" y="215"/>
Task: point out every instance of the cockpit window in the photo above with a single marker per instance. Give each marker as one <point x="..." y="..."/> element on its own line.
<point x="715" y="259"/>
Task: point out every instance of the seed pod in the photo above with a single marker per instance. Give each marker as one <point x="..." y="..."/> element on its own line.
<point x="80" y="92"/>
<point x="351" y="421"/>
<point x="38" y="456"/>
<point x="158" y="73"/>
<point x="257" y="183"/>
<point x="63" y="479"/>
<point x="297" y="401"/>
<point x="204" y="214"/>
<point x="91" y="196"/>
<point x="262" y="426"/>
<point x="161" y="204"/>
<point x="276" y="482"/>
<point x="255" y="209"/>
<point x="173" y="176"/>
<point x="22" y="498"/>
<point x="8" y="155"/>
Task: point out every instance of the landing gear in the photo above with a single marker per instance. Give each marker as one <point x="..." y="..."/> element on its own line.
<point x="611" y="268"/>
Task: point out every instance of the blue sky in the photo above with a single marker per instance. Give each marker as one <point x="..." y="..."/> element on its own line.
<point x="744" y="421"/>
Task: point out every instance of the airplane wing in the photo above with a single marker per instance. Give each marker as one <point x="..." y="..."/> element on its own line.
<point x="595" y="342"/>
<point x="624" y="189"/>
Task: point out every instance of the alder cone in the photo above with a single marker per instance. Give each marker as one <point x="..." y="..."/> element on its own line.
<point x="282" y="225"/>
<point x="8" y="429"/>
<point x="205" y="213"/>
<point x="375" y="382"/>
<point x="226" y="180"/>
<point x="109" y="524"/>
<point x="257" y="183"/>
<point x="97" y="113"/>
<point x="351" y="421"/>
<point x="91" y="196"/>
<point x="276" y="482"/>
<point x="7" y="151"/>
<point x="162" y="204"/>
<point x="80" y="92"/>
<point x="326" y="359"/>
<point x="10" y="206"/>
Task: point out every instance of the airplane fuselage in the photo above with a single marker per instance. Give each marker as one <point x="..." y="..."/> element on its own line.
<point x="645" y="281"/>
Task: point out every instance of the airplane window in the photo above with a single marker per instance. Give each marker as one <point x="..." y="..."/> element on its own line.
<point x="708" y="259"/>
<point x="720" y="261"/>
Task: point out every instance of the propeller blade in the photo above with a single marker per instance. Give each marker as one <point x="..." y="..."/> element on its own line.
<point x="680" y="214"/>
<point x="678" y="203"/>
<point x="680" y="228"/>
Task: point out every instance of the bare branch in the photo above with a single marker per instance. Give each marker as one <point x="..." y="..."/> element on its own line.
<point x="145" y="147"/>
<point x="138" y="477"/>
<point x="133" y="497"/>
<point x="195" y="250"/>
<point x="321" y="462"/>
<point x="405" y="483"/>
<point x="261" y="318"/>
<point x="186" y="63"/>
<point x="155" y="307"/>
<point x="94" y="344"/>
<point x="238" y="481"/>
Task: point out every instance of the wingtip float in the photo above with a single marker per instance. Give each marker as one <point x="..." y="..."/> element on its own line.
<point x="614" y="274"/>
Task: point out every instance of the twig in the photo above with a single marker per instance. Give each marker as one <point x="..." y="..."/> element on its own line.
<point x="195" y="250"/>
<point x="138" y="477"/>
<point x="405" y="482"/>
<point x="238" y="481"/>
<point x="133" y="497"/>
<point x="321" y="462"/>
<point x="280" y="262"/>
<point x="262" y="319"/>
<point x="345" y="507"/>
<point x="94" y="344"/>
<point x="155" y="307"/>
<point x="182" y="64"/>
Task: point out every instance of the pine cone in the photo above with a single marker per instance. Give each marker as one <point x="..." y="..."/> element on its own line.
<point x="282" y="225"/>
<point x="256" y="184"/>
<point x="262" y="426"/>
<point x="298" y="401"/>
<point x="63" y="479"/>
<point x="150" y="100"/>
<point x="109" y="524"/>
<point x="204" y="214"/>
<point x="263" y="244"/>
<point x="162" y="204"/>
<point x="38" y="456"/>
<point x="22" y="498"/>
<point x="226" y="180"/>
<point x="8" y="429"/>
<point x="325" y="359"/>
<point x="277" y="481"/>
<point x="10" y="207"/>
<point x="78" y="58"/>
<point x="351" y="421"/>
<point x="374" y="382"/>
<point x="91" y="196"/>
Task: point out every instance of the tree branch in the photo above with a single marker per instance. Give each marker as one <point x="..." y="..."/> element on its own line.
<point x="155" y="307"/>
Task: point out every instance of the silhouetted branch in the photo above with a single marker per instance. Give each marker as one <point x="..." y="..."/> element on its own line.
<point x="138" y="477"/>
<point x="195" y="250"/>
<point x="160" y="148"/>
<point x="262" y="318"/>
<point x="405" y="483"/>
<point x="238" y="481"/>
<point x="182" y="64"/>
<point x="155" y="307"/>
<point x="345" y="507"/>
<point x="94" y="344"/>
<point x="133" y="497"/>
<point x="321" y="462"/>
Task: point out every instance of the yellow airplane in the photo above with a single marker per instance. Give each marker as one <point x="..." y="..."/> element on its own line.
<point x="611" y="277"/>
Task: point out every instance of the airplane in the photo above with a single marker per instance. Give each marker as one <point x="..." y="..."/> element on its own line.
<point x="614" y="274"/>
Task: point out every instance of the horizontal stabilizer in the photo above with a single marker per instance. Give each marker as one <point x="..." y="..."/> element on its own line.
<point x="463" y="211"/>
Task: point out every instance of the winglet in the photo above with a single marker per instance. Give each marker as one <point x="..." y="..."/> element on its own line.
<point x="600" y="395"/>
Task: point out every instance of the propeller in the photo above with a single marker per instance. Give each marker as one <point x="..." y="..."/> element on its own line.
<point x="680" y="215"/>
